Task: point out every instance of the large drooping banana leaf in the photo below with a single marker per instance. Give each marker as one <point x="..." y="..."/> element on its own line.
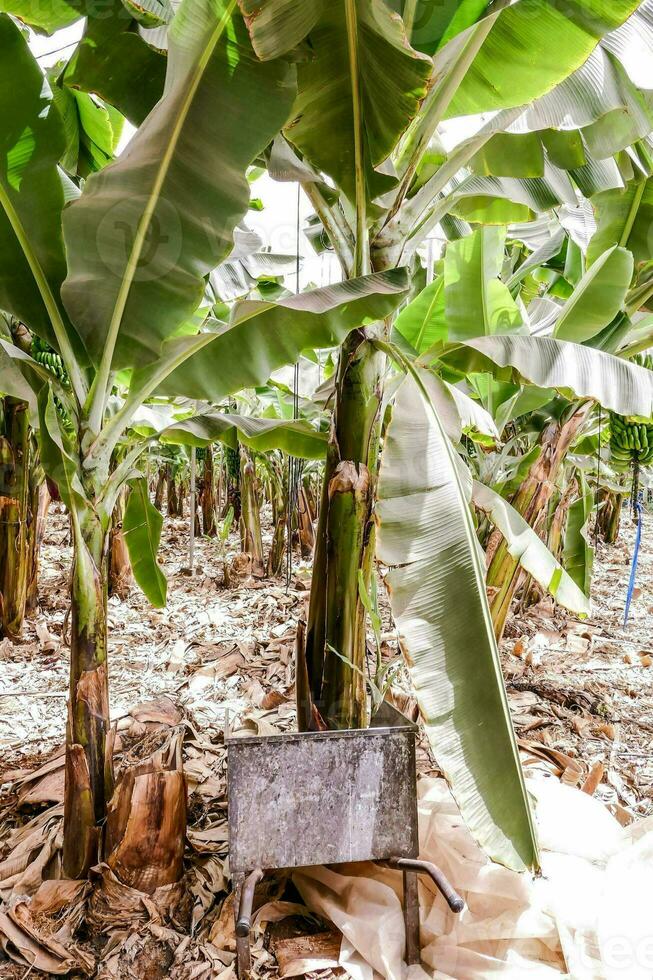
<point x="597" y="298"/>
<point x="436" y="584"/>
<point x="624" y="217"/>
<point x="358" y="89"/>
<point x="530" y="551"/>
<point x="149" y="227"/>
<point x="32" y="258"/>
<point x="573" y="369"/>
<point x="477" y="303"/>
<point x="632" y="44"/>
<point x="533" y="45"/>
<point x="141" y="528"/>
<point x="114" y="61"/>
<point x="262" y="337"/>
<point x="295" y="437"/>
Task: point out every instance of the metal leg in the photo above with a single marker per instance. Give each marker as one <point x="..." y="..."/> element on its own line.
<point x="244" y="959"/>
<point x="450" y="895"/>
<point x="244" y="886"/>
<point x="411" y="917"/>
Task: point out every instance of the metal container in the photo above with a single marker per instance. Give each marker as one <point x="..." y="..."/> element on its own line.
<point x="313" y="798"/>
<point x="322" y="797"/>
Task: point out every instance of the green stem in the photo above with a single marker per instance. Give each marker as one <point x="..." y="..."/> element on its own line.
<point x="89" y="772"/>
<point x="434" y="108"/>
<point x="335" y="225"/>
<point x="344" y="541"/>
<point x="361" y="253"/>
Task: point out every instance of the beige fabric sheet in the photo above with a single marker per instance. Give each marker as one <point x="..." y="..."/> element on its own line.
<point x="589" y="917"/>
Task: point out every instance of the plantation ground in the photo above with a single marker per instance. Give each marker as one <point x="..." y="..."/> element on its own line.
<point x="581" y="694"/>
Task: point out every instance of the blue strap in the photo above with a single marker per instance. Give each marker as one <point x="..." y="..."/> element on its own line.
<point x="633" y="566"/>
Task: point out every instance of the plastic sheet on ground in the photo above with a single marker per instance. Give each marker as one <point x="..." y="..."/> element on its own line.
<point x="587" y="917"/>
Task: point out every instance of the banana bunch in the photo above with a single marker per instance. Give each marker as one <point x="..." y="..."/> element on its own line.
<point x="47" y="357"/>
<point x="232" y="458"/>
<point x="631" y="441"/>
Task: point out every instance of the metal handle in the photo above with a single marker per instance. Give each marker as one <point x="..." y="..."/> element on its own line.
<point x="244" y="922"/>
<point x="451" y="896"/>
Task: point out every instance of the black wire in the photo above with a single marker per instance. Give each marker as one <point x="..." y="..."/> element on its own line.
<point x="46" y="54"/>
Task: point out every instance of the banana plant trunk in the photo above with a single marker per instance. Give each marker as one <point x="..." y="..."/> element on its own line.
<point x="209" y="509"/>
<point x="334" y="693"/>
<point x="39" y="506"/>
<point x="172" y="502"/>
<point x="250" y="517"/>
<point x="121" y="576"/>
<point x="160" y="488"/>
<point x="504" y="573"/>
<point x="89" y="768"/>
<point x="559" y="520"/>
<point x="14" y="515"/>
<point x="279" y="495"/>
<point x="305" y="519"/>
<point x="609" y="515"/>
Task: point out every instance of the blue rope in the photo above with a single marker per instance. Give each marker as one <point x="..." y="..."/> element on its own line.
<point x="633" y="567"/>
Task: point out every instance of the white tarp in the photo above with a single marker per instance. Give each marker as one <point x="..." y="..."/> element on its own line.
<point x="588" y="917"/>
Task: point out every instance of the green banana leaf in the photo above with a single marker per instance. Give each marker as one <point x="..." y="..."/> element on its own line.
<point x="141" y="527"/>
<point x="624" y="217"/>
<point x="262" y="337"/>
<point x="358" y="90"/>
<point x="422" y="322"/>
<point x="436" y="585"/>
<point x="597" y="298"/>
<point x="46" y="16"/>
<point x="149" y="227"/>
<point x="533" y="45"/>
<point x="430" y="25"/>
<point x="577" y="550"/>
<point x="58" y="454"/>
<point x="575" y="369"/>
<point x="92" y="129"/>
<point x="12" y="381"/>
<point x="477" y="303"/>
<point x="32" y="258"/>
<point x="113" y="61"/>
<point x="530" y="551"/>
<point x="297" y="438"/>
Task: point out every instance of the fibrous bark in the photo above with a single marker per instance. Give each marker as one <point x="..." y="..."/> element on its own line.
<point x="335" y="635"/>
<point x="207" y="496"/>
<point x="250" y="517"/>
<point x="89" y="767"/>
<point x="14" y="515"/>
<point x="504" y="573"/>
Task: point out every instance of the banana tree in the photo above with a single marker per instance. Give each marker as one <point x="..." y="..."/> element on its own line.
<point x="368" y="116"/>
<point x="118" y="305"/>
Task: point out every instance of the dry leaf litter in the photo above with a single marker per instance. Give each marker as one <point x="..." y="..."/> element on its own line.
<point x="581" y="694"/>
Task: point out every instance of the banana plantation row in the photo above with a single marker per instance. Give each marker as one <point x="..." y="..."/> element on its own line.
<point x="493" y="392"/>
